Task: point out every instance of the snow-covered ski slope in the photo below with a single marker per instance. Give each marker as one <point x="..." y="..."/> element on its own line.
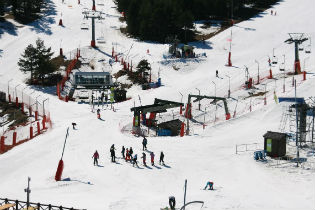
<point x="239" y="181"/>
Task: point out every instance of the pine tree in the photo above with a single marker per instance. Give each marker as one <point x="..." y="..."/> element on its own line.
<point x="142" y="70"/>
<point x="43" y="57"/>
<point x="36" y="60"/>
<point x="28" y="61"/>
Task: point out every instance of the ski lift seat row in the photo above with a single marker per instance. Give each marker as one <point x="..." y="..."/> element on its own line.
<point x="308" y="49"/>
<point x="101" y="40"/>
<point x="274" y="60"/>
<point x="281" y="67"/>
<point x="85" y="26"/>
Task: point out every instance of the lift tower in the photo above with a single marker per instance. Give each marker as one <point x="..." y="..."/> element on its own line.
<point x="296" y="38"/>
<point x="93" y="15"/>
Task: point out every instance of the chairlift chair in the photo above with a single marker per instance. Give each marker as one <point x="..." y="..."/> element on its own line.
<point x="100" y="2"/>
<point x="281" y="67"/>
<point x="101" y="40"/>
<point x="308" y="49"/>
<point x="274" y="60"/>
<point x="301" y="47"/>
<point x="85" y="26"/>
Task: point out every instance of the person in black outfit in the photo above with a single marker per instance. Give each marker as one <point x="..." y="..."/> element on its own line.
<point x="112" y="152"/>
<point x="134" y="161"/>
<point x="144" y="143"/>
<point x="217" y="73"/>
<point x="130" y="152"/>
<point x="172" y="202"/>
<point x="123" y="152"/>
<point x="162" y="158"/>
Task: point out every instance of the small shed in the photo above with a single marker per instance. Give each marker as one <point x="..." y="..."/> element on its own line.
<point x="275" y="144"/>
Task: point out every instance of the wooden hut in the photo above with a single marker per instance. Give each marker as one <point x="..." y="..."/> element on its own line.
<point x="275" y="144"/>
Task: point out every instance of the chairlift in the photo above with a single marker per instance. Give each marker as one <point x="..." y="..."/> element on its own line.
<point x="85" y="10"/>
<point x="100" y="2"/>
<point x="101" y="40"/>
<point x="85" y="26"/>
<point x="301" y="47"/>
<point x="308" y="49"/>
<point x="281" y="67"/>
<point x="274" y="60"/>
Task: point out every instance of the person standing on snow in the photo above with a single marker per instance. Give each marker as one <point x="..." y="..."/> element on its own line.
<point x="144" y="143"/>
<point x="123" y="152"/>
<point x="95" y="156"/>
<point x="112" y="152"/>
<point x="130" y="153"/>
<point x="162" y="158"/>
<point x="216" y="73"/>
<point x="144" y="157"/>
<point x="172" y="202"/>
<point x="210" y="184"/>
<point x="127" y="155"/>
<point x="152" y="158"/>
<point x="134" y="160"/>
<point x="98" y="112"/>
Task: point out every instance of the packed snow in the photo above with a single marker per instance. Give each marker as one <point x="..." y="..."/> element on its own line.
<point x="207" y="154"/>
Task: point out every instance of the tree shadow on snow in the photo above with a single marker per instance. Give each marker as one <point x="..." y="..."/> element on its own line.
<point x="7" y="27"/>
<point x="202" y="45"/>
<point x="47" y="19"/>
<point x="74" y="180"/>
<point x="48" y="90"/>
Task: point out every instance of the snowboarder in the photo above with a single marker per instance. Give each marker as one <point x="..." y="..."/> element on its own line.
<point x="144" y="158"/>
<point x="130" y="152"/>
<point x="210" y="184"/>
<point x="134" y="160"/>
<point x="172" y="202"/>
<point x="216" y="73"/>
<point x="144" y="143"/>
<point x="271" y="12"/>
<point x="123" y="152"/>
<point x="152" y="158"/>
<point x="95" y="156"/>
<point x="112" y="152"/>
<point x="98" y="111"/>
<point x="73" y="126"/>
<point x="162" y="158"/>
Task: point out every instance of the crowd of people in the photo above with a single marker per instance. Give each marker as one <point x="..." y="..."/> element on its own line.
<point x="128" y="155"/>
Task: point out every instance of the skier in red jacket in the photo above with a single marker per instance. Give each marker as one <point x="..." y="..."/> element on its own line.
<point x="152" y="158"/>
<point x="95" y="156"/>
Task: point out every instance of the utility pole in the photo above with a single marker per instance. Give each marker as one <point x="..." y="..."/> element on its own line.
<point x="229" y="91"/>
<point x="199" y="100"/>
<point x="283" y="73"/>
<point x="93" y="15"/>
<point x="258" y="71"/>
<point x="9" y="86"/>
<point x="28" y="191"/>
<point x="185" y="193"/>
<point x="297" y="124"/>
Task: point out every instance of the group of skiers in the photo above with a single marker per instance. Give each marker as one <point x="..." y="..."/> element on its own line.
<point x="127" y="155"/>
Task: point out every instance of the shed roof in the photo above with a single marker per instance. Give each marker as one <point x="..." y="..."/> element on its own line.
<point x="92" y="73"/>
<point x="275" y="135"/>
